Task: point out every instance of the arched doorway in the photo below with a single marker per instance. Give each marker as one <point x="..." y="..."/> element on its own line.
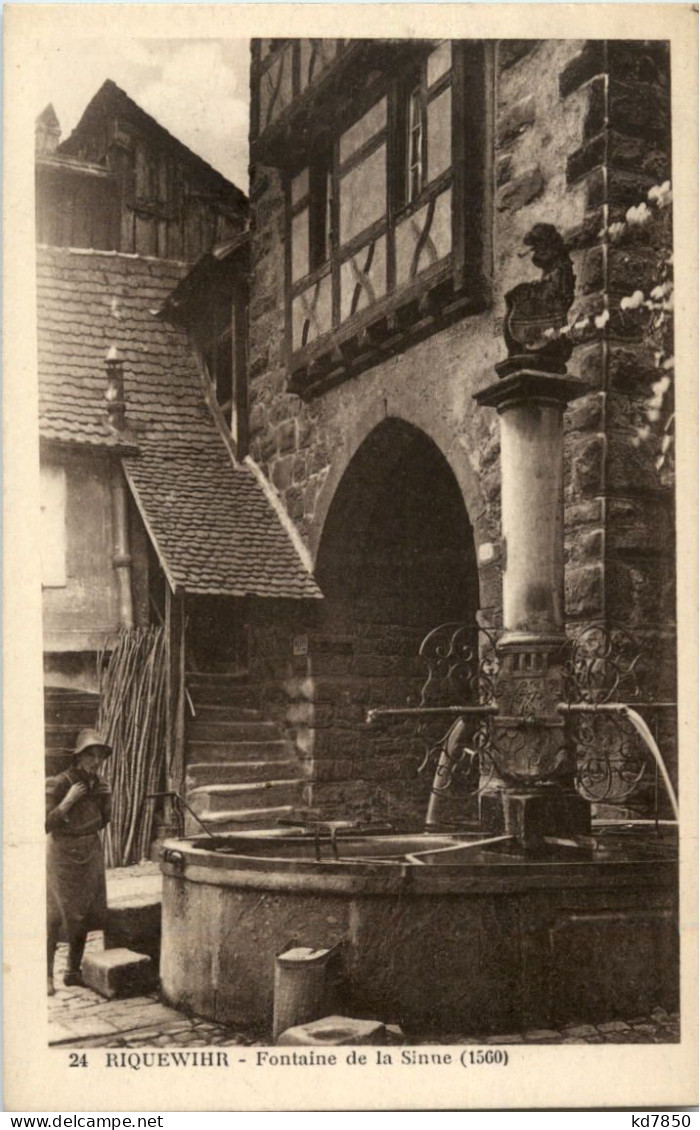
<point x="396" y="559"/>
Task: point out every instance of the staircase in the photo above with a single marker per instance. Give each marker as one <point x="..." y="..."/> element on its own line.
<point x="242" y="773"/>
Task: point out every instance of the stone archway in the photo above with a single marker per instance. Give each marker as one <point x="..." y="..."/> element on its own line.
<point x="396" y="558"/>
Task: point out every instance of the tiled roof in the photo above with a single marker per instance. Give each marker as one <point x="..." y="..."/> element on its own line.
<point x="211" y="522"/>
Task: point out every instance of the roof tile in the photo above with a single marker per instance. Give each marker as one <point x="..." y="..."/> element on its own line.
<point x="213" y="526"/>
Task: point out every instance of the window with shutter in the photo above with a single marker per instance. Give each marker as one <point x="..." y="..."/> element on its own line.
<point x="392" y="206"/>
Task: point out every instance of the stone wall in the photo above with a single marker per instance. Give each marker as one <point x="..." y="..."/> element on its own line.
<point x="580" y="133"/>
<point x="621" y="520"/>
<point x="395" y="561"/>
<point x="90" y="596"/>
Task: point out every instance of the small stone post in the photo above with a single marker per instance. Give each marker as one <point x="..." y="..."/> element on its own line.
<point x="301" y="987"/>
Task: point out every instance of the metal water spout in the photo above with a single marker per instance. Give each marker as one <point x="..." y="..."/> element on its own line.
<point x="451" y="747"/>
<point x="641" y="728"/>
<point x="534" y="791"/>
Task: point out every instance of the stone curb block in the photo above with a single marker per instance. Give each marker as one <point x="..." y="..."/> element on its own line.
<point x="335" y="1031"/>
<point x="119" y="973"/>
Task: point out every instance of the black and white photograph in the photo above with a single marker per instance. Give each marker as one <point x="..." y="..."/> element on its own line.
<point x="359" y="406"/>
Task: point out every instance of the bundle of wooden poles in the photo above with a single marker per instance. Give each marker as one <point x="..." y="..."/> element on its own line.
<point x="132" y="718"/>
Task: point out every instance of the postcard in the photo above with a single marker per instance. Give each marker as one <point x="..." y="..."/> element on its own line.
<point x="350" y="473"/>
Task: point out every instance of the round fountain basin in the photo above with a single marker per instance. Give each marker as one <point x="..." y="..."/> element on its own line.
<point x="435" y="932"/>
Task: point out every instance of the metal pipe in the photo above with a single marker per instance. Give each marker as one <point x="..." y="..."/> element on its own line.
<point x="453" y="751"/>
<point x="121" y="559"/>
<point x="600" y="822"/>
<point x="472" y="845"/>
<point x="420" y="711"/>
<point x="641" y="728"/>
<point x="610" y="707"/>
<point x="180" y="800"/>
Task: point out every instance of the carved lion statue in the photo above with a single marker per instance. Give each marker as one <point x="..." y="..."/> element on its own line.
<point x="536" y="312"/>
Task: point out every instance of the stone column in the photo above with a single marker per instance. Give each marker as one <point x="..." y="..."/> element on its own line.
<point x="535" y="795"/>
<point x="531" y="407"/>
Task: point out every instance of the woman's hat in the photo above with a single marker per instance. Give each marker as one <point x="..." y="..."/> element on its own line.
<point x="88" y="739"/>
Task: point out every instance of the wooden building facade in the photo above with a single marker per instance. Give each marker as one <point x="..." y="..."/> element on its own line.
<point x="121" y="182"/>
<point x="393" y="186"/>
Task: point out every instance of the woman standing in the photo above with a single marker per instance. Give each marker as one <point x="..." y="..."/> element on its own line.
<point x="78" y="805"/>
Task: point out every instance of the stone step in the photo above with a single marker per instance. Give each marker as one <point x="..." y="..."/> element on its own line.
<point x="244" y="818"/>
<point x="198" y="751"/>
<point x="335" y="1031"/>
<point x="210" y="799"/>
<point x="239" y="772"/>
<point x="119" y="972"/>
<point x="224" y="694"/>
<point x="56" y="762"/>
<point x="216" y="677"/>
<point x="78" y="709"/>
<point x="59" y="736"/>
<point x="217" y="711"/>
<point x="226" y="731"/>
<point x="133" y="909"/>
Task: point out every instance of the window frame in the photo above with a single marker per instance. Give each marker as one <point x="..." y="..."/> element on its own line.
<point x="289" y="63"/>
<point x="408" y="95"/>
<point x="415" y="141"/>
<point x="404" y="201"/>
<point x="220" y="348"/>
<point x="467" y="265"/>
<point x="321" y="196"/>
<point x="225" y="322"/>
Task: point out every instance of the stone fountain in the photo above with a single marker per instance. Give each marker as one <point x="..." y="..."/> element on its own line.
<point x="530" y="920"/>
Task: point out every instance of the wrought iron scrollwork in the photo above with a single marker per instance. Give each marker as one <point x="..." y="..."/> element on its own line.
<point x="605" y="664"/>
<point x="602" y="663"/>
<point x="611" y="761"/>
<point x="600" y="667"/>
<point x="448" y="652"/>
<point x="462" y="664"/>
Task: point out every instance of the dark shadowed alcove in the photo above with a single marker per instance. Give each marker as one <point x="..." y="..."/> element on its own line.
<point x="396" y="559"/>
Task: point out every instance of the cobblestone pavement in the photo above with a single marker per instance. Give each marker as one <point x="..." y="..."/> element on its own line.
<point x="80" y="1018"/>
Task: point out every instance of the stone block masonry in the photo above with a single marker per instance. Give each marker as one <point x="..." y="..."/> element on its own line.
<point x="80" y="1019"/>
<point x="621" y="562"/>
